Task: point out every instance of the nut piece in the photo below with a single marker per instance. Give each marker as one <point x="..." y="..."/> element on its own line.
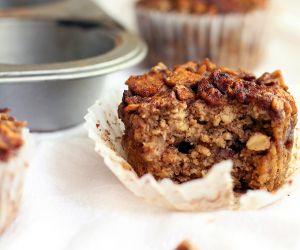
<point x="203" y="150"/>
<point x="145" y="85"/>
<point x="227" y="116"/>
<point x="184" y="77"/>
<point x="131" y="107"/>
<point x="160" y="67"/>
<point x="184" y="93"/>
<point x="258" y="142"/>
<point x="277" y="105"/>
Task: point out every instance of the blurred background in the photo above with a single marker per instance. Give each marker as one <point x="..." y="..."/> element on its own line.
<point x="283" y="49"/>
<point x="285" y="40"/>
<point x="123" y="10"/>
<point x="69" y="49"/>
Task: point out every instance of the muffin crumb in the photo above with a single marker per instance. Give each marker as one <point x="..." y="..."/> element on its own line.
<point x="185" y="245"/>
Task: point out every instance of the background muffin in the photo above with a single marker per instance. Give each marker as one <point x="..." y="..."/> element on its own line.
<point x="13" y="164"/>
<point x="231" y="33"/>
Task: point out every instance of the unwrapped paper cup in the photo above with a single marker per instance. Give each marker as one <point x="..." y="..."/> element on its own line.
<point x="213" y="192"/>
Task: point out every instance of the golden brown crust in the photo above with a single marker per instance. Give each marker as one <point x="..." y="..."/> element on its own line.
<point x="203" y="114"/>
<point x="204" y="6"/>
<point x="215" y="85"/>
<point x="10" y="135"/>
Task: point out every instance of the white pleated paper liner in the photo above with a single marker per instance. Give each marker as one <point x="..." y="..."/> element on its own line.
<point x="12" y="175"/>
<point x="213" y="192"/>
<point x="231" y="40"/>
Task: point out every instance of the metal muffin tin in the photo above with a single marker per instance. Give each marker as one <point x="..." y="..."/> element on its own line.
<point x="54" y="58"/>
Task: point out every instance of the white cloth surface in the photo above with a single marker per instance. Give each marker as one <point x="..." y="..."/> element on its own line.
<point x="73" y="202"/>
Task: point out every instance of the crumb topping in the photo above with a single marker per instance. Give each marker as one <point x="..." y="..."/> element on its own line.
<point x="10" y="135"/>
<point x="217" y="86"/>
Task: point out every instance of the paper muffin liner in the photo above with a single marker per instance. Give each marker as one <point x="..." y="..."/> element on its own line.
<point x="12" y="174"/>
<point x="213" y="192"/>
<point x="231" y="40"/>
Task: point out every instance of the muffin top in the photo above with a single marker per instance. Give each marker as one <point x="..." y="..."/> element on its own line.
<point x="217" y="86"/>
<point x="204" y="6"/>
<point x="10" y="135"/>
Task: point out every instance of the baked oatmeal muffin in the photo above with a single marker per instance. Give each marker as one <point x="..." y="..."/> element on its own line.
<point x="231" y="33"/>
<point x="13" y="165"/>
<point x="180" y="122"/>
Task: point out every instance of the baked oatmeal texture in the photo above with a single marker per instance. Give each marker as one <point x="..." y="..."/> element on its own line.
<point x="204" y="6"/>
<point x="180" y="122"/>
